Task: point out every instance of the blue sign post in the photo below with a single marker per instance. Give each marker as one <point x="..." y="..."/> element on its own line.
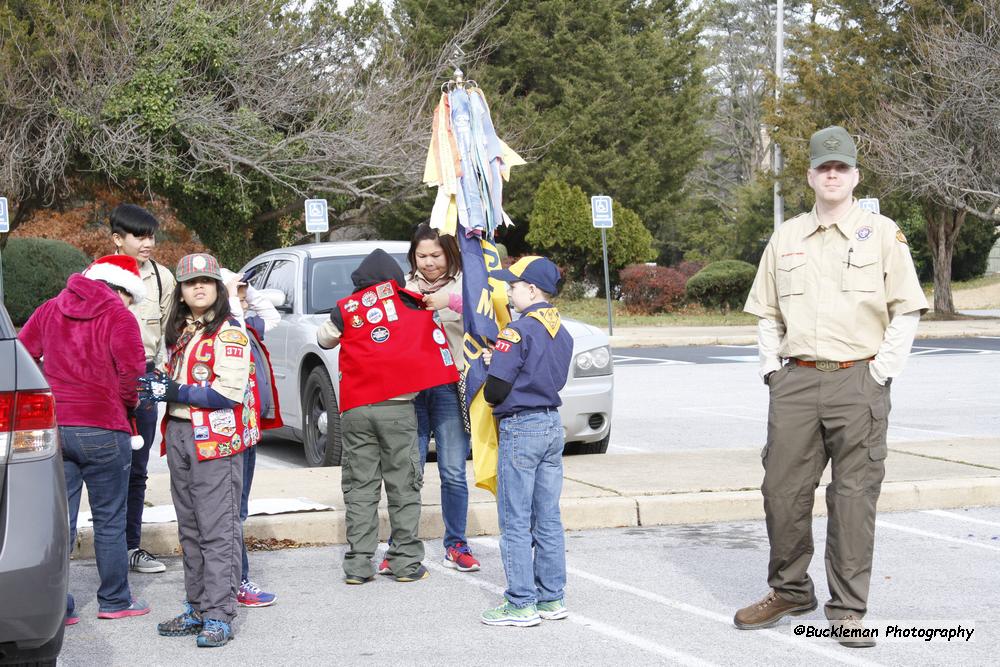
<point x="317" y="219"/>
<point x="602" y="215"/>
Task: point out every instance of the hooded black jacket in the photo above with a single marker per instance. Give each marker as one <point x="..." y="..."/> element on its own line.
<point x="377" y="267"/>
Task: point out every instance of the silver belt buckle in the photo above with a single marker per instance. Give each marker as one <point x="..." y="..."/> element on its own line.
<point x="827" y="366"/>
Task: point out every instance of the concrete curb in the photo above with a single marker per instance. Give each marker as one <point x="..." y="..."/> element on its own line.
<point x="327" y="527"/>
<point x="747" y="334"/>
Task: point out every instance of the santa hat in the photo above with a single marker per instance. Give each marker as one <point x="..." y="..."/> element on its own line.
<point x="121" y="271"/>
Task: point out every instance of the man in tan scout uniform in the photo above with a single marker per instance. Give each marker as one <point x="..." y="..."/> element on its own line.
<point x="839" y="303"/>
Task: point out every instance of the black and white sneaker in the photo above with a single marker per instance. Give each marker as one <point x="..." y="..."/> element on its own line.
<point x="140" y="560"/>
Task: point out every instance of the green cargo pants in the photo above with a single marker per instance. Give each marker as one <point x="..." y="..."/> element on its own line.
<point x="814" y="417"/>
<point x="380" y="444"/>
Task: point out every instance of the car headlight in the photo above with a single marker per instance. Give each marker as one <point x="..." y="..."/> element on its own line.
<point x="593" y="362"/>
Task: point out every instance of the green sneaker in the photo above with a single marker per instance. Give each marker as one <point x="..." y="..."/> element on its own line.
<point x="508" y="614"/>
<point x="553" y="610"/>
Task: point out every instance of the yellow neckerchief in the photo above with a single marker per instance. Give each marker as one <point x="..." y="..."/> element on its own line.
<point x="549" y="317"/>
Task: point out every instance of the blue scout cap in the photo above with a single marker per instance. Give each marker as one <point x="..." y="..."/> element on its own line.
<point x="539" y="271"/>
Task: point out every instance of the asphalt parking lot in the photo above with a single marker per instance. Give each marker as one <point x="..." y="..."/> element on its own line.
<point x="658" y="595"/>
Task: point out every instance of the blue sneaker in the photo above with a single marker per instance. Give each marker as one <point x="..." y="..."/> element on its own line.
<point x="250" y="595"/>
<point x="188" y="623"/>
<point x="215" y="633"/>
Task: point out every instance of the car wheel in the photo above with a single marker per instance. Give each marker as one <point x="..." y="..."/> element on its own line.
<point x="321" y="420"/>
<point x="43" y="656"/>
<point x="599" y="447"/>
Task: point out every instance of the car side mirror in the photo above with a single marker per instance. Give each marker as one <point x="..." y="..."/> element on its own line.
<point x="275" y="296"/>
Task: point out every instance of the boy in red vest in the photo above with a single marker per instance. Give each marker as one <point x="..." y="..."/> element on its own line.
<point x="390" y="348"/>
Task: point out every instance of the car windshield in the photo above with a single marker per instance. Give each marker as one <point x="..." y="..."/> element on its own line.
<point x="330" y="279"/>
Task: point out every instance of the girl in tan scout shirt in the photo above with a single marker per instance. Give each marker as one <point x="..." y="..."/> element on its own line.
<point x="212" y="417"/>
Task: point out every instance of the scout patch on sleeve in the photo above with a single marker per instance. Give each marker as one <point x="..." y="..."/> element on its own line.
<point x="511" y="335"/>
<point x="502" y="346"/>
<point x="234" y="351"/>
<point x="900" y="236"/>
<point x="233" y="336"/>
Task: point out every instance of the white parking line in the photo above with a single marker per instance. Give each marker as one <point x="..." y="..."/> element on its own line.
<point x="962" y="517"/>
<point x="724" y="619"/>
<point x="935" y="536"/>
<point x="587" y="622"/>
<point x="716" y="413"/>
<point x="927" y="430"/>
<point x="650" y="361"/>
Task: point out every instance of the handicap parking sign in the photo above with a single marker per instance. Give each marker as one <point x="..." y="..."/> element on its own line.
<point x="600" y="211"/>
<point x="4" y="216"/>
<point x="316" y="216"/>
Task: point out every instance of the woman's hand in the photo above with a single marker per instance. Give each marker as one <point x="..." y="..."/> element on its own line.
<point x="436" y="300"/>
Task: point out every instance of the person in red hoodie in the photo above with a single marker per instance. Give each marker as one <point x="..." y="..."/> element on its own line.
<point x="88" y="344"/>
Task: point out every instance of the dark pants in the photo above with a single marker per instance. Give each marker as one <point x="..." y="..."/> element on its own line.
<point x="99" y="458"/>
<point x="380" y="445"/>
<point x="146" y="420"/>
<point x="817" y="417"/>
<point x="249" y="465"/>
<point x="206" y="497"/>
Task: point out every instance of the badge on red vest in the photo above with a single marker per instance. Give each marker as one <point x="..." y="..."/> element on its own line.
<point x="388" y="348"/>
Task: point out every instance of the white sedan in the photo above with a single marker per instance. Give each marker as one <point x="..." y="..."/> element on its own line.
<point x="305" y="282"/>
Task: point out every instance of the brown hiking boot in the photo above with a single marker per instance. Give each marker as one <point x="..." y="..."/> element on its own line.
<point x="850" y="632"/>
<point x="770" y="610"/>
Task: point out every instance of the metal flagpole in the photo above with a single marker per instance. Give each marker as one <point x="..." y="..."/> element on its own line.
<point x="779" y="48"/>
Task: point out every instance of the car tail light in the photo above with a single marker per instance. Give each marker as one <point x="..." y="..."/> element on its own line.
<point x="27" y="425"/>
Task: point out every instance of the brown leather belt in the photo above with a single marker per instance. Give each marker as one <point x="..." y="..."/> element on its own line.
<point x="827" y="365"/>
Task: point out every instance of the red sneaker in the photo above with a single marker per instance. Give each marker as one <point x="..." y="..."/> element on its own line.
<point x="383" y="568"/>
<point x="459" y="557"/>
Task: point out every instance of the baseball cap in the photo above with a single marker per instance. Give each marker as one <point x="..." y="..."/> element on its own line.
<point x="538" y="271"/>
<point x="832" y="144"/>
<point x="198" y="265"/>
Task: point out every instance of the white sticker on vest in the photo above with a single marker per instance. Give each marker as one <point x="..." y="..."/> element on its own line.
<point x="223" y="422"/>
<point x="390" y="310"/>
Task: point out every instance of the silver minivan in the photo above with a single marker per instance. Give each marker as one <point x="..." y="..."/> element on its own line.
<point x="305" y="282"/>
<point x="34" y="523"/>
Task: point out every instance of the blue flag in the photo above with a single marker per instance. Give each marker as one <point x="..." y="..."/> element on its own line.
<point x="484" y="313"/>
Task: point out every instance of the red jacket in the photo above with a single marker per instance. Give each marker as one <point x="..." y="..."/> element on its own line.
<point x="92" y="351"/>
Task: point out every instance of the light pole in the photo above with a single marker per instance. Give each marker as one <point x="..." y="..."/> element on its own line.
<point x="779" y="57"/>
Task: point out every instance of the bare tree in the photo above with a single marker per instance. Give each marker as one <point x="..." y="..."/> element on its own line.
<point x="246" y="99"/>
<point x="938" y="139"/>
<point x="740" y="36"/>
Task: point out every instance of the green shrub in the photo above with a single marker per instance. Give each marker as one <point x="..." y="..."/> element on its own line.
<point x="35" y="270"/>
<point x="723" y="285"/>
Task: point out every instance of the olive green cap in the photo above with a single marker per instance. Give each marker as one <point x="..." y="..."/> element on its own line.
<point x="832" y="144"/>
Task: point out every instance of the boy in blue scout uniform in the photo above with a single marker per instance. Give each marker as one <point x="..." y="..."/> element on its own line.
<point x="528" y="367"/>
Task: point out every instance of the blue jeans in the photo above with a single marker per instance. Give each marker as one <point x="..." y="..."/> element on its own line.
<point x="100" y="459"/>
<point x="145" y="420"/>
<point x="438" y="412"/>
<point x="529" y="483"/>
<point x="249" y="465"/>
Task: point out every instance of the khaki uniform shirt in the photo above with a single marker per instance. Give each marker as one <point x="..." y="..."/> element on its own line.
<point x="153" y="312"/>
<point x="835" y="288"/>
<point x="232" y="372"/>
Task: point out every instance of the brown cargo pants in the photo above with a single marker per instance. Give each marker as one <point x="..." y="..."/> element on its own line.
<point x="814" y="417"/>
